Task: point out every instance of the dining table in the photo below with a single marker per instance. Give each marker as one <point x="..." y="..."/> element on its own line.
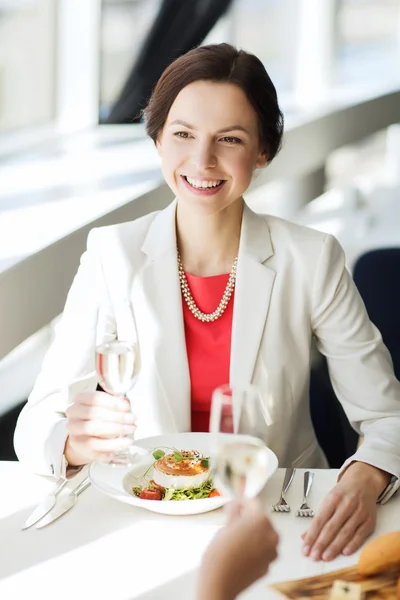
<point x="106" y="549"/>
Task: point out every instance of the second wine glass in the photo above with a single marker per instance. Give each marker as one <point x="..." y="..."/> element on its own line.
<point x="239" y="457"/>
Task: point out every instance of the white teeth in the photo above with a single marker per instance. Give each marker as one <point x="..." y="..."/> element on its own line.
<point x="203" y="184"/>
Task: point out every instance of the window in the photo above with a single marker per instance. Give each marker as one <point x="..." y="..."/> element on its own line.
<point x="367" y="40"/>
<point x="267" y="29"/>
<point x="124" y="27"/>
<point x="27" y="63"/>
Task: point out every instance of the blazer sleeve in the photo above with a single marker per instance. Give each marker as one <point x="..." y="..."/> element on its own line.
<point x="68" y="368"/>
<point x="359" y="363"/>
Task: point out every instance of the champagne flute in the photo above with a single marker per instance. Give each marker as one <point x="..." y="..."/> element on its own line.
<point x="115" y="366"/>
<point x="116" y="363"/>
<point x="239" y="457"/>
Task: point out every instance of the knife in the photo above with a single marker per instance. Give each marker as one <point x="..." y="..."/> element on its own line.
<point x="44" y="507"/>
<point x="64" y="504"/>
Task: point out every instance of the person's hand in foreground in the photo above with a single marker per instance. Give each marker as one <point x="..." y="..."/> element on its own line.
<point x="240" y="553"/>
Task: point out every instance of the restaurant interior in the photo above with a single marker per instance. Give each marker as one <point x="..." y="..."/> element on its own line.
<point x="74" y="155"/>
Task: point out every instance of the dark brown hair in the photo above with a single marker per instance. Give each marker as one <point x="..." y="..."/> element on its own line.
<point x="220" y="63"/>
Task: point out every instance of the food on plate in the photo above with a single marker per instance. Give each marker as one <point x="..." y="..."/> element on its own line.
<point x="177" y="475"/>
<point x="151" y="493"/>
<point x="398" y="588"/>
<point x="381" y="554"/>
<point x="343" y="590"/>
<point x="189" y="471"/>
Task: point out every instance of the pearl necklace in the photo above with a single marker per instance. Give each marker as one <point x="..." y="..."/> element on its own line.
<point x="230" y="286"/>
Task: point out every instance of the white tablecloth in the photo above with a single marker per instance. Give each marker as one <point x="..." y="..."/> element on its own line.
<point x="104" y="549"/>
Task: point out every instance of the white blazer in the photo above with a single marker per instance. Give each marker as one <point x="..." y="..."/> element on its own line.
<point x="292" y="288"/>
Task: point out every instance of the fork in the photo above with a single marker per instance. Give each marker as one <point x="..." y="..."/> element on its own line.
<point x="65" y="503"/>
<point x="305" y="510"/>
<point x="282" y="505"/>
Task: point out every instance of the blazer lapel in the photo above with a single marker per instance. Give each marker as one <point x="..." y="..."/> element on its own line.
<point x="253" y="291"/>
<point x="161" y="287"/>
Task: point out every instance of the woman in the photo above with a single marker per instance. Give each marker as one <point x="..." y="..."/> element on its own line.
<point x="215" y="120"/>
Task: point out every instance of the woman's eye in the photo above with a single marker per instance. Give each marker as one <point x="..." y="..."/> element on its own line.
<point x="231" y="140"/>
<point x="182" y="134"/>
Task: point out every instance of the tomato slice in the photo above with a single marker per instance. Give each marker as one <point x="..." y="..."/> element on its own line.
<point x="214" y="494"/>
<point x="151" y="494"/>
<point x="157" y="487"/>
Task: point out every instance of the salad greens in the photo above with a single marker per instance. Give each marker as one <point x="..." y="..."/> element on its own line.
<point x="193" y="493"/>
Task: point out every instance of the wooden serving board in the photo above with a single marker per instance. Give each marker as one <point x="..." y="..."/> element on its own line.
<point x="376" y="587"/>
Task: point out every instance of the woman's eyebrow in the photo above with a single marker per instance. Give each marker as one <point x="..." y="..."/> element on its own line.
<point x="223" y="130"/>
<point x="234" y="128"/>
<point x="184" y="123"/>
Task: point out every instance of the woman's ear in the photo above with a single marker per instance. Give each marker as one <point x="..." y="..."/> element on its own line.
<point x="159" y="147"/>
<point x="262" y="160"/>
<point x="158" y="142"/>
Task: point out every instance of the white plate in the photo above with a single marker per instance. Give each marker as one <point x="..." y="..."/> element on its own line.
<point x="118" y="481"/>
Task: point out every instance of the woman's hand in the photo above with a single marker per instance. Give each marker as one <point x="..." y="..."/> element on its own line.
<point x="348" y="514"/>
<point x="239" y="554"/>
<point x="95" y="422"/>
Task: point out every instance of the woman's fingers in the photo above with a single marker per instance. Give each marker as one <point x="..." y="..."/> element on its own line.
<point x="101" y="429"/>
<point x="95" y="413"/>
<point x="98" y="425"/>
<point x="103" y="446"/>
<point x="103" y="400"/>
<point x="351" y="536"/>
<point x="100" y="415"/>
<point x="320" y="520"/>
<point x="336" y="533"/>
<point x="362" y="533"/>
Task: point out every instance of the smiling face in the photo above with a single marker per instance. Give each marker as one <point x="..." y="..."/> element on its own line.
<point x="210" y="145"/>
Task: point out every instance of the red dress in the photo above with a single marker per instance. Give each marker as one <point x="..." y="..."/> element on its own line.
<point x="208" y="345"/>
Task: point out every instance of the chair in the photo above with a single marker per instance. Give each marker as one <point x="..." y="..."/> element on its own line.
<point x="377" y="277"/>
<point x="334" y="433"/>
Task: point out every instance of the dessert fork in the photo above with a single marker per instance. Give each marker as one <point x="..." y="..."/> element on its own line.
<point x="282" y="505"/>
<point x="305" y="510"/>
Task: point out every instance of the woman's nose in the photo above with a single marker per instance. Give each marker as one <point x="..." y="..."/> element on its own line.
<point x="204" y="156"/>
